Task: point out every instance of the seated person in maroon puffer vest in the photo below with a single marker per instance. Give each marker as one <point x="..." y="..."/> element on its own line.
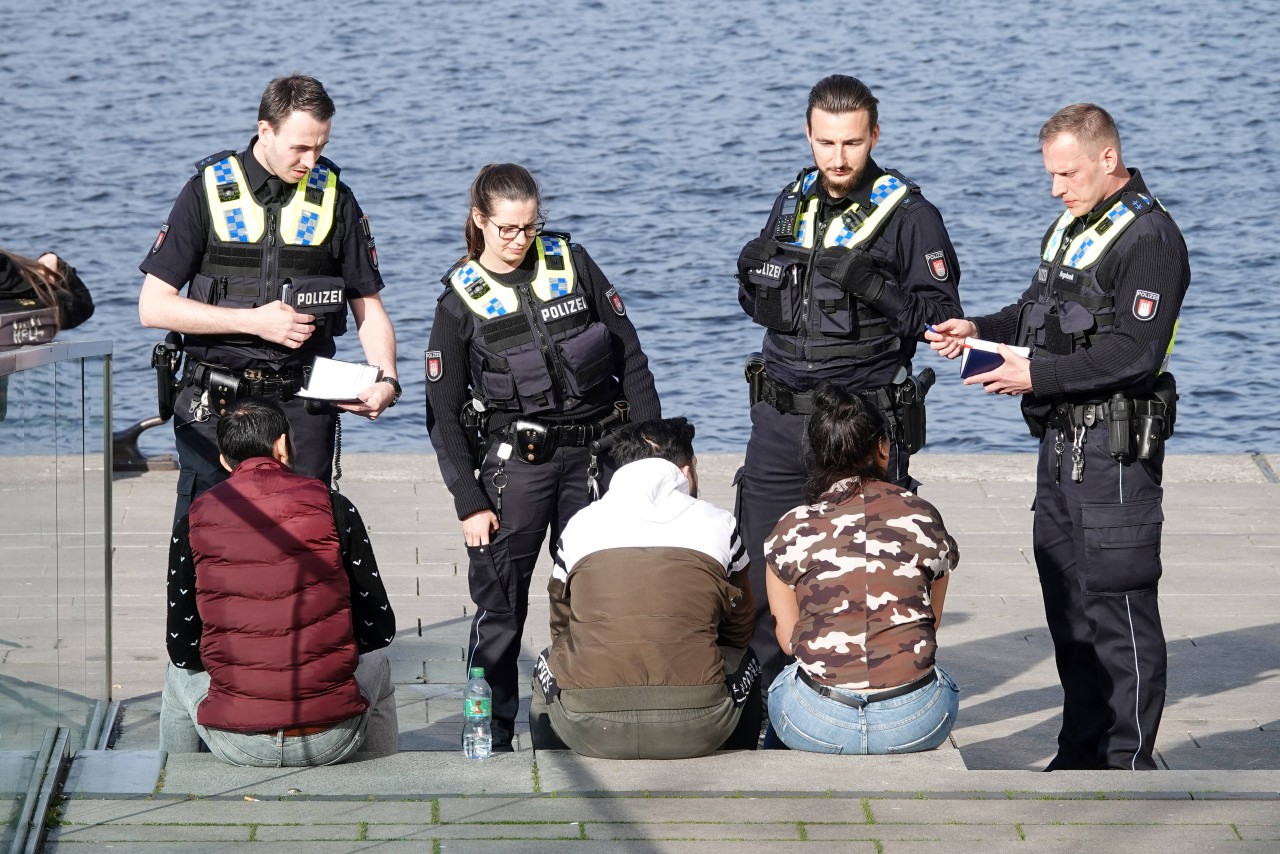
<point x="276" y="613"/>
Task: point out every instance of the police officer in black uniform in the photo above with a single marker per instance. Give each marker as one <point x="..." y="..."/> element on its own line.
<point x="532" y="360"/>
<point x="275" y="248"/>
<point x="851" y="265"/>
<point x="1099" y="317"/>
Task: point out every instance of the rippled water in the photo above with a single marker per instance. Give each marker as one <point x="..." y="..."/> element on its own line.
<point x="661" y="132"/>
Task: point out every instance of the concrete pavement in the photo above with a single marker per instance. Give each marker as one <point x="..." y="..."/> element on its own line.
<point x="1220" y="739"/>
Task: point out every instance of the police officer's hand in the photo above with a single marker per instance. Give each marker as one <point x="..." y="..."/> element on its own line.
<point x="853" y="270"/>
<point x="947" y="336"/>
<point x="477" y="527"/>
<point x="280" y="323"/>
<point x="755" y="254"/>
<point x="372" y="401"/>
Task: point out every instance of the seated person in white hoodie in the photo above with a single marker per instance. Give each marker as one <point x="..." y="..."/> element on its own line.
<point x="651" y="616"/>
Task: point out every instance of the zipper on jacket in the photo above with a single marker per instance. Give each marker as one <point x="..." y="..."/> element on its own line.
<point x="542" y="337"/>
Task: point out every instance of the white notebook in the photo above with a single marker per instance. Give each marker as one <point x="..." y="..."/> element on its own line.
<point x="332" y="379"/>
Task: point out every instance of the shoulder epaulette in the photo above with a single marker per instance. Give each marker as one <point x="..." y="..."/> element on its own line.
<point x="201" y="165"/>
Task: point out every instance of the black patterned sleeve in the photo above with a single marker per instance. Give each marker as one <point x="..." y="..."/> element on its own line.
<point x="372" y="620"/>
<point x="183" y="626"/>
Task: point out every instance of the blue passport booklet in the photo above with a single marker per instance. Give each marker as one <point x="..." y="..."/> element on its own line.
<point x="980" y="356"/>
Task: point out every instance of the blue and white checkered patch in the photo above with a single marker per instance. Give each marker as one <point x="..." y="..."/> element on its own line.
<point x="1080" y="253"/>
<point x="317" y="177"/>
<point x="844" y="237"/>
<point x="235" y="225"/>
<point x="808" y="181"/>
<point x="307" y="228"/>
<point x="884" y="189"/>
<point x="223" y="172"/>
<point x="467" y="275"/>
<point x="559" y="286"/>
<point x="495" y="308"/>
<point x="550" y="246"/>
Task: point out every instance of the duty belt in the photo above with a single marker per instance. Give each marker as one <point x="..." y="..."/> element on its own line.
<point x="874" y="697"/>
<point x="787" y="400"/>
<point x="252" y="382"/>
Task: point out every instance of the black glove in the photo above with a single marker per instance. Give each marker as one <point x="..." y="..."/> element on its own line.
<point x="755" y="254"/>
<point x="853" y="270"/>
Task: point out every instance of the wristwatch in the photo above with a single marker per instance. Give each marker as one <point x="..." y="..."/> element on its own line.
<point x="395" y="384"/>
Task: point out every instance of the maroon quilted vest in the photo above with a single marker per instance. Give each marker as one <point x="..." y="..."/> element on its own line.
<point x="275" y="601"/>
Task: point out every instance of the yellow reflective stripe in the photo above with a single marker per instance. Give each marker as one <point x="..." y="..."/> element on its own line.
<point x="1168" y="351"/>
<point x="1088" y="247"/>
<point x="841" y="235"/>
<point x="495" y="300"/>
<point x="551" y="284"/>
<point x="238" y="220"/>
<point x="1055" y="239"/>
<point x="892" y="189"/>
<point x="303" y="223"/>
<point x="804" y="224"/>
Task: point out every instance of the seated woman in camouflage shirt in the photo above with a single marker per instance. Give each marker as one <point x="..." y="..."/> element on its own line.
<point x="856" y="582"/>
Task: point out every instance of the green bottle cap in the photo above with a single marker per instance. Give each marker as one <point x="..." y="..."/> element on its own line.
<point x="477" y="672"/>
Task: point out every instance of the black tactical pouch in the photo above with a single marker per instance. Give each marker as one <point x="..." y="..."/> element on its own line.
<point x="531" y="441"/>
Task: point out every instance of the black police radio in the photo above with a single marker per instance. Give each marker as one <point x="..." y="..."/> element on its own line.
<point x="788" y="214"/>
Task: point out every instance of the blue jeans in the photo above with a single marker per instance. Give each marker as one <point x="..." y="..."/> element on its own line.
<point x="375" y="732"/>
<point x="805" y="720"/>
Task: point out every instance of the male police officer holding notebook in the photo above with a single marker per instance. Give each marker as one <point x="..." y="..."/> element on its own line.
<point x="275" y="248"/>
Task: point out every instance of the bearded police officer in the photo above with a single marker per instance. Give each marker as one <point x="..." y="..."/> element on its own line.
<point x="1100" y="317"/>
<point x="275" y="248"/>
<point x="850" y="266"/>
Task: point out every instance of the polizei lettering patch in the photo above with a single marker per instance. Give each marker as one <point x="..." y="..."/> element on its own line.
<point x="1145" y="304"/>
<point x="555" y="311"/>
<point x="308" y="299"/>
<point x="164" y="232"/>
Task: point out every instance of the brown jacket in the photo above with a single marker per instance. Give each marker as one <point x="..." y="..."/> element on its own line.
<point x="648" y="584"/>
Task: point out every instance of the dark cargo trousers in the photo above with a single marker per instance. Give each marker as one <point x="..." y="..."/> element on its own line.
<point x="535" y="498"/>
<point x="197" y="445"/>
<point x="1097" y="548"/>
<point x="771" y="483"/>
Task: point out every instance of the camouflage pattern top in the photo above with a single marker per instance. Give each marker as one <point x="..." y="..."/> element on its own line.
<point x="861" y="561"/>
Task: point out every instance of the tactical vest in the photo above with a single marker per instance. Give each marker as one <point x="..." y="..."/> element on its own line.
<point x="816" y="318"/>
<point x="257" y="254"/>
<point x="537" y="348"/>
<point x="1072" y="308"/>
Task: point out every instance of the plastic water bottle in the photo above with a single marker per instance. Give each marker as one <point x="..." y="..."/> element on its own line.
<point x="477" y="700"/>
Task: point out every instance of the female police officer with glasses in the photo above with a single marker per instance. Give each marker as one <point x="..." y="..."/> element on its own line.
<point x="532" y="358"/>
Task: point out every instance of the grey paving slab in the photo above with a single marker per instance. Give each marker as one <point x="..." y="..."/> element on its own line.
<point x="651" y="809"/>
<point x="476" y="831"/>
<point x="736" y="832"/>
<point x="411" y="774"/>
<point x="193" y="844"/>
<point x="113" y="772"/>
<point x="99" y="833"/>
<point x="949" y="833"/>
<point x="641" y="846"/>
<point x="1076" y="811"/>
<point x="1257" y="832"/>
<point x="563" y="771"/>
<point x="236" y="810"/>
<point x="1181" y="837"/>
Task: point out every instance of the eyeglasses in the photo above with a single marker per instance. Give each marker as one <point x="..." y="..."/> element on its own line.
<point x="509" y="232"/>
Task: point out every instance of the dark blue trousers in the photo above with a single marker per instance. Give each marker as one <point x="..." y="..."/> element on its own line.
<point x="770" y="483"/>
<point x="535" y="499"/>
<point x="1097" y="548"/>
<point x="197" y="444"/>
